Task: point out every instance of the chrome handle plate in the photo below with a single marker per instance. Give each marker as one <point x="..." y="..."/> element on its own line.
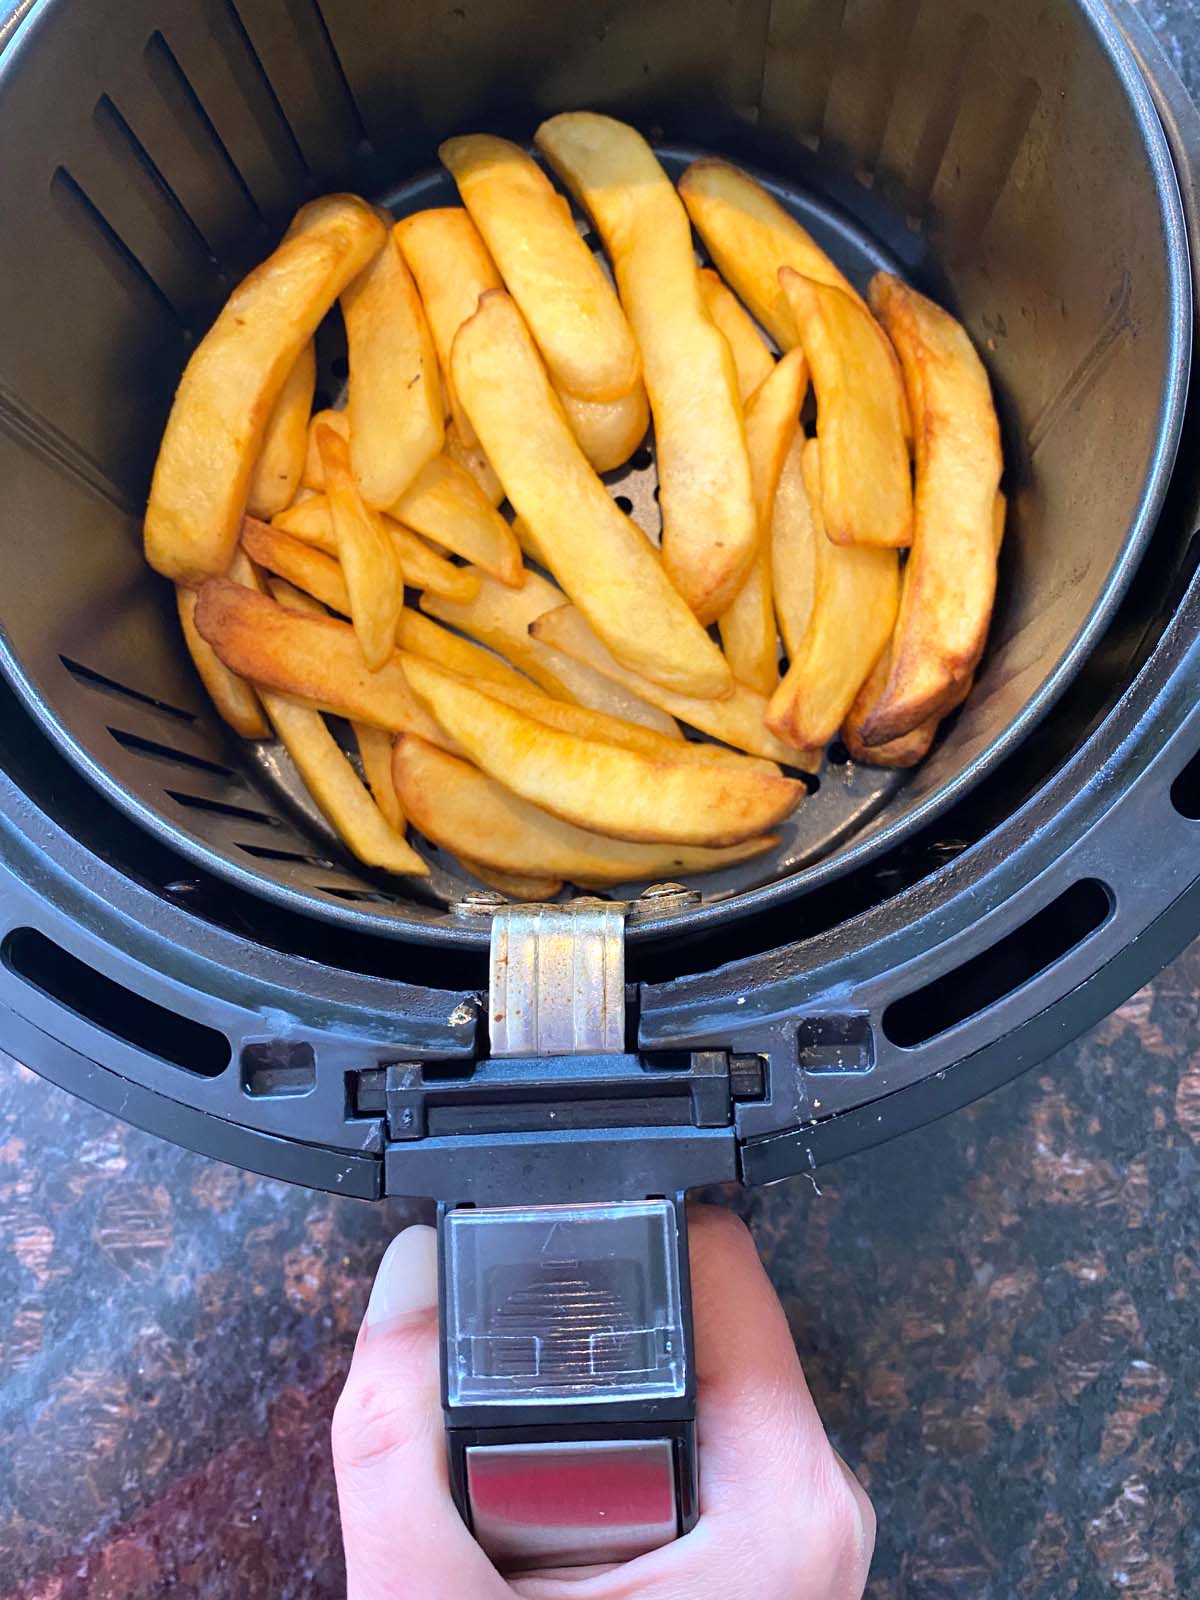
<point x="557" y="979"/>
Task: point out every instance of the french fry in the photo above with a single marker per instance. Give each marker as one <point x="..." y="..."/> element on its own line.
<point x="444" y="503"/>
<point x="337" y="789"/>
<point x="233" y="697"/>
<point x="291" y="598"/>
<point x="738" y="720"/>
<point x="606" y="788"/>
<point x="422" y="568"/>
<point x="375" y="752"/>
<point x="276" y="474"/>
<point x="374" y="580"/>
<point x="709" y="530"/>
<point x="471" y="457"/>
<point x="793" y="551"/>
<point x="301" y="565"/>
<point x="554" y="278"/>
<point x="458" y="807"/>
<point x="751" y="357"/>
<point x="233" y="379"/>
<point x="602" y="560"/>
<point x="608" y="431"/>
<point x="517" y="887"/>
<point x="950" y="580"/>
<point x="313" y="474"/>
<point x="427" y="638"/>
<point x="908" y="748"/>
<point x="452" y="266"/>
<point x="501" y="618"/>
<point x="750" y="236"/>
<point x="309" y="658"/>
<point x="856" y="595"/>
<point x="748" y="627"/>
<point x="394" y="402"/>
<point x="867" y="484"/>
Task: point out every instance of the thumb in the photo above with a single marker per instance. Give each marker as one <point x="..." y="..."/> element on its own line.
<point x="403" y="1535"/>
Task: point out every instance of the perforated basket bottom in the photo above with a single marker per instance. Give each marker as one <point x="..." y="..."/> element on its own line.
<point x="844" y="796"/>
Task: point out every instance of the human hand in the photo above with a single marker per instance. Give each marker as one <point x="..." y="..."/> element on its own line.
<point x="781" y="1515"/>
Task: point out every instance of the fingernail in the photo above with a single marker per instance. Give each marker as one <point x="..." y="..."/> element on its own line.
<point x="407" y="1278"/>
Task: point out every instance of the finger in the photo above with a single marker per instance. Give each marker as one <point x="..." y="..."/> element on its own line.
<point x="403" y="1535"/>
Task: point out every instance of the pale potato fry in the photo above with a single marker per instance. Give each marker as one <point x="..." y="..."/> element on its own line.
<point x="233" y="697"/>
<point x="232" y="381"/>
<point x="950" y="580"/>
<point x="375" y="752"/>
<point x="445" y="504"/>
<point x="461" y="809"/>
<point x="477" y="464"/>
<point x="748" y="627"/>
<point x="276" y="475"/>
<point x="394" y="401"/>
<point x="603" y="561"/>
<point x="374" y="579"/>
<point x="424" y="637"/>
<point x="793" y="551"/>
<point x="453" y="268"/>
<point x="750" y="236"/>
<point x="856" y="595"/>
<point x="563" y="294"/>
<point x="338" y="790"/>
<point x="526" y="890"/>
<point x="738" y="720"/>
<point x="608" y="431"/>
<point x="313" y="474"/>
<point x="709" y="530"/>
<point x="751" y="357"/>
<point x="310" y="658"/>
<point x="422" y="568"/>
<point x="607" y="788"/>
<point x="867" y="484"/>
<point x="501" y="618"/>
<point x="598" y="725"/>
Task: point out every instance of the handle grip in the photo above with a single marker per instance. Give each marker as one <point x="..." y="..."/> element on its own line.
<point x="567" y="1378"/>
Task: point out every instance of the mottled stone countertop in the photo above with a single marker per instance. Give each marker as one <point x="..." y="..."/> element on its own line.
<point x="998" y="1315"/>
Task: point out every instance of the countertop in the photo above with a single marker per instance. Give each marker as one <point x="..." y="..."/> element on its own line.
<point x="997" y="1315"/>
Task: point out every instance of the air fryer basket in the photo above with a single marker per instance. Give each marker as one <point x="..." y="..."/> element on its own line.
<point x="1003" y="156"/>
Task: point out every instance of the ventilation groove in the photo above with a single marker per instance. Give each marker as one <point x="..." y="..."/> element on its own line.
<point x="97" y="680"/>
<point x="115" y="255"/>
<point x="222" y="808"/>
<point x="166" y="752"/>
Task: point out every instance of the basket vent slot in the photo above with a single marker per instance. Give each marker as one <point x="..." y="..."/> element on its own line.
<point x="109" y="1005"/>
<point x="1185" y="791"/>
<point x="222" y="808"/>
<point x="1002" y="969"/>
<point x="263" y="852"/>
<point x="143" y="175"/>
<point x="110" y="248"/>
<point x="97" y="680"/>
<point x="166" y="752"/>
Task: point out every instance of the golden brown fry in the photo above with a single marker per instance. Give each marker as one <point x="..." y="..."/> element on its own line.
<point x="867" y="484"/>
<point x="374" y="579"/>
<point x="422" y="568"/>
<point x="856" y="595"/>
<point x="313" y="474"/>
<point x="424" y="637"/>
<point x="394" y="403"/>
<point x="526" y="890"/>
<point x="276" y="475"/>
<point x="215" y="430"/>
<point x="292" y="599"/>
<point x="445" y="504"/>
<point x="477" y="464"/>
<point x="738" y="720"/>
<point x="608" y="431"/>
<point x="452" y="267"/>
<point x="748" y="627"/>
<point x="233" y="697"/>
<point x="501" y="618"/>
<point x="603" y="561"/>
<point x="314" y="659"/>
<point x="950" y="580"/>
<point x="461" y="809"/>
<point x="300" y="564"/>
<point x="793" y="552"/>
<point x="337" y="789"/>
<point x="709" y="531"/>
<point x="375" y="751"/>
<point x="750" y="236"/>
<point x="751" y="357"/>
<point x="563" y="294"/>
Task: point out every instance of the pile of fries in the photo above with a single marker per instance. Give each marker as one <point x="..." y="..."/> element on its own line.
<point x="373" y="563"/>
